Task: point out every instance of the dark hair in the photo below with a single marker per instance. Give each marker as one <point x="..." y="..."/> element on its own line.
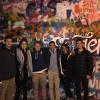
<point x="23" y="40"/>
<point x="8" y="37"/>
<point x="79" y="39"/>
<point x="67" y="47"/>
<point x="52" y="42"/>
<point x="38" y="42"/>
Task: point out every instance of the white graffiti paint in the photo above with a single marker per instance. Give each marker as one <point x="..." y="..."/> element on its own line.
<point x="91" y="43"/>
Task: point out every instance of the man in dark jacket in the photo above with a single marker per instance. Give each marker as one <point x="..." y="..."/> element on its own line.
<point x="39" y="70"/>
<point x="82" y="69"/>
<point x="7" y="70"/>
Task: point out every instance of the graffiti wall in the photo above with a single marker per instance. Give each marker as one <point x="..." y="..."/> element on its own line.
<point x="57" y="20"/>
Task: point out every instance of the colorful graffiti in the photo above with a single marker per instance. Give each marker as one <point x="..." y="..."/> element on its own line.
<point x="60" y="21"/>
<point x="62" y="10"/>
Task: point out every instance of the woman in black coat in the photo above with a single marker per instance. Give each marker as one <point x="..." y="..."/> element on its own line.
<point x="24" y="69"/>
<point x="66" y="70"/>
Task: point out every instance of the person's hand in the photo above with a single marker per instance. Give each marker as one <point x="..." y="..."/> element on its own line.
<point x="88" y="77"/>
<point x="62" y="72"/>
<point x="0" y="83"/>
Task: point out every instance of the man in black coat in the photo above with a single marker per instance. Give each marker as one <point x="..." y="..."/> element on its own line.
<point x="82" y="69"/>
<point x="7" y="70"/>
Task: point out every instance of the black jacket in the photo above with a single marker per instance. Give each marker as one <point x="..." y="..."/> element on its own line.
<point x="39" y="60"/>
<point x="66" y="65"/>
<point x="7" y="63"/>
<point x="82" y="63"/>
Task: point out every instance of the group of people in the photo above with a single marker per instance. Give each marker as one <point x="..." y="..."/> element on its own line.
<point x="19" y="65"/>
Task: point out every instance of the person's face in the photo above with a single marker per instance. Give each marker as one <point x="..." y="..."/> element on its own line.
<point x="37" y="47"/>
<point x="8" y="43"/>
<point x="24" y="45"/>
<point x="79" y="44"/>
<point x="52" y="46"/>
<point x="65" y="49"/>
